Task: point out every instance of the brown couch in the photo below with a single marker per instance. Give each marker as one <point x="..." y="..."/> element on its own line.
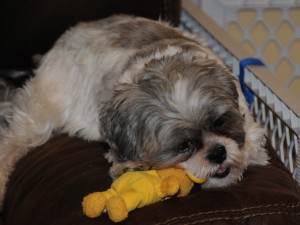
<point x="49" y="183"/>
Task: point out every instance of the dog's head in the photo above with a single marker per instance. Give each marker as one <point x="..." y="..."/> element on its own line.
<point x="177" y="113"/>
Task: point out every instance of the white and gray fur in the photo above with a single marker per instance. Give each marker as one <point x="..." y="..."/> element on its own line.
<point x="158" y="96"/>
<point x="7" y="91"/>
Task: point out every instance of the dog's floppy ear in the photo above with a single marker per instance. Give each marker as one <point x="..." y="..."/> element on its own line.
<point x="228" y="82"/>
<point x="115" y="124"/>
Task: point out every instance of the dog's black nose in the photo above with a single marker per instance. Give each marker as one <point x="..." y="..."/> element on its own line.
<point x="218" y="154"/>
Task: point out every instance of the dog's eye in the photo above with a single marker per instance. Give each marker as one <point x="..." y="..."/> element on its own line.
<point x="219" y="122"/>
<point x="186" y="146"/>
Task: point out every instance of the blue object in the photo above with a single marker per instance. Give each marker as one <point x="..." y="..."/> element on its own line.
<point x="243" y="64"/>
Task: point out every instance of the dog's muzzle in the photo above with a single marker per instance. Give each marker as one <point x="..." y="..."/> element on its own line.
<point x="222" y="172"/>
<point x="217" y="156"/>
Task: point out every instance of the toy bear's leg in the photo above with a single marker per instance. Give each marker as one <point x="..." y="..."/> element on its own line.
<point x="94" y="204"/>
<point x="170" y="186"/>
<point x="118" y="207"/>
<point x="186" y="186"/>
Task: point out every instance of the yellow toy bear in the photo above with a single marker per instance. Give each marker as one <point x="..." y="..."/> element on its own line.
<point x="136" y="189"/>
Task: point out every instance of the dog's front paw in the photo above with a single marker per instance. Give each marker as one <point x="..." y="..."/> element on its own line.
<point x="257" y="154"/>
<point x="118" y="168"/>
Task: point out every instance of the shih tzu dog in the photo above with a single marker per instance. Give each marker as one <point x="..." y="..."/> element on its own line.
<point x="158" y="96"/>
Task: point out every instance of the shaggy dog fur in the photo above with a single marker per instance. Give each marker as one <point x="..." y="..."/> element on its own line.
<point x="7" y="91"/>
<point x="158" y="96"/>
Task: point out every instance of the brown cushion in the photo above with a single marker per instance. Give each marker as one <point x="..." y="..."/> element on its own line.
<point x="49" y="183"/>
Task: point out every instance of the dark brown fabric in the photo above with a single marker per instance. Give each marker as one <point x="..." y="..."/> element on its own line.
<point x="31" y="26"/>
<point x="48" y="185"/>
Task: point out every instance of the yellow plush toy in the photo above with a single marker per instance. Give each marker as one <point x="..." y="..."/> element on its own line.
<point x="137" y="189"/>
